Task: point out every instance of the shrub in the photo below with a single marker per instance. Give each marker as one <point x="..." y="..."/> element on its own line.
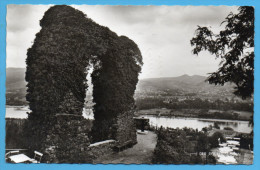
<point x="211" y="159"/>
<point x="228" y="128"/>
<point x="213" y="140"/>
<point x="174" y="147"/>
<point x="216" y="126"/>
<point x="14" y="133"/>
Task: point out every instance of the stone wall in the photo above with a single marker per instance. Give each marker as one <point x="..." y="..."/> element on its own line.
<point x="126" y="129"/>
<point x="74" y="153"/>
<point x="100" y="149"/>
<point x="14" y="133"/>
<point x="67" y="140"/>
<point x="114" y="88"/>
<point x="70" y="104"/>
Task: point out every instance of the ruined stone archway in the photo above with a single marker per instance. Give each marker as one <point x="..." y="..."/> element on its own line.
<point x="56" y="74"/>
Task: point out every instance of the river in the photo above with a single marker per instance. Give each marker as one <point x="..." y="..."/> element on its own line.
<point x="197" y="123"/>
<point x="172" y="122"/>
<point x="20" y="112"/>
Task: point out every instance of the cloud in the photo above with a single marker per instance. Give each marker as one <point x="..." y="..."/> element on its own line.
<point x="22" y="17"/>
<point x="162" y="33"/>
<point x="22" y="25"/>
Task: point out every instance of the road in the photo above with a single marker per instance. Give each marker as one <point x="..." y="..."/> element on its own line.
<point x="141" y="153"/>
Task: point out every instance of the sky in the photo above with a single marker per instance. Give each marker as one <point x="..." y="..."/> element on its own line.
<point x="162" y="33"/>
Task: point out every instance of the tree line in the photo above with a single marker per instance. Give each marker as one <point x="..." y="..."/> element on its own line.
<point x="152" y="103"/>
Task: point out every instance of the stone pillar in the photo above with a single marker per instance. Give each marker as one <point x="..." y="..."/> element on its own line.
<point x="126" y="129"/>
<point x="121" y="128"/>
<point x="67" y="140"/>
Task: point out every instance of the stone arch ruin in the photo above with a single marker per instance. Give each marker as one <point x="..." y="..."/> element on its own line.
<point x="57" y="66"/>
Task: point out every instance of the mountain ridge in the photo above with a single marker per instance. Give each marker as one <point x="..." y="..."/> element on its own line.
<point x="15" y="80"/>
<point x="184" y="83"/>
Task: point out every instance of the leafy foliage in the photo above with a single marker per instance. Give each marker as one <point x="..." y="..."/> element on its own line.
<point x="58" y="63"/>
<point x="213" y="140"/>
<point x="181" y="146"/>
<point x="235" y="47"/>
<point x="246" y="141"/>
<point x="114" y="78"/>
<point x="14" y="133"/>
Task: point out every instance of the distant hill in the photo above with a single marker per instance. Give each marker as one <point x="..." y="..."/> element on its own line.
<point x="184" y="83"/>
<point x="15" y="86"/>
<point x="15" y="79"/>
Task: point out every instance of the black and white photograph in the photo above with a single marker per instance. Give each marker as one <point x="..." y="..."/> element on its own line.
<point x="114" y="84"/>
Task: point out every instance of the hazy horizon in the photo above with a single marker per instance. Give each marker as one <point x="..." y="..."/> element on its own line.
<point x="184" y="74"/>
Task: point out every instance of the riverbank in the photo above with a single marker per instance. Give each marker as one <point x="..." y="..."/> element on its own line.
<point x="198" y="113"/>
